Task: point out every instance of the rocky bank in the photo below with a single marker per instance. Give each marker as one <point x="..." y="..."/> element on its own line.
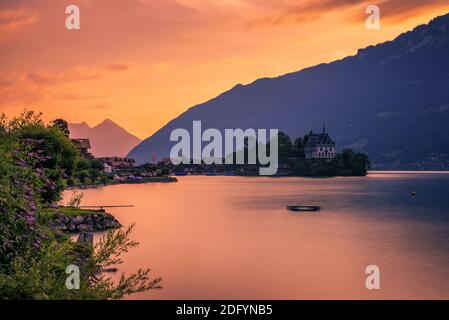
<point x="97" y="221"/>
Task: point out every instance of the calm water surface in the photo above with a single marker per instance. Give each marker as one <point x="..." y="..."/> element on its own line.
<point x="231" y="237"/>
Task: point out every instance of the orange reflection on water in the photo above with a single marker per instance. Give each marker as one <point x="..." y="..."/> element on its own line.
<point x="231" y="238"/>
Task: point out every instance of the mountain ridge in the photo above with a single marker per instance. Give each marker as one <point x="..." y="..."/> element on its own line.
<point x="367" y="100"/>
<point x="107" y="138"/>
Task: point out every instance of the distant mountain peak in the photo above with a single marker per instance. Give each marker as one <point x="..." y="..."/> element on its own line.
<point x="107" y="122"/>
<point x="107" y="138"/>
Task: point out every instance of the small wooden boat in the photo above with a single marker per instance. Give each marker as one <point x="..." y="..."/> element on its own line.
<point x="303" y="208"/>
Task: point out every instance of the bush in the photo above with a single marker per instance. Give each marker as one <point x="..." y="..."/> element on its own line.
<point x="33" y="260"/>
<point x="82" y="176"/>
<point x="40" y="274"/>
<point x="165" y="172"/>
<point x="70" y="182"/>
<point x="50" y="152"/>
<point x="94" y="174"/>
<point x="104" y="179"/>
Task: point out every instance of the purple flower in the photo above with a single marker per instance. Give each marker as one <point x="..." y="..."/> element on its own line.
<point x="22" y="163"/>
<point x="30" y="219"/>
<point x="33" y="141"/>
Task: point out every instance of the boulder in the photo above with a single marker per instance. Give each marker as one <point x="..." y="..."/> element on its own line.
<point x="83" y="227"/>
<point x="78" y="220"/>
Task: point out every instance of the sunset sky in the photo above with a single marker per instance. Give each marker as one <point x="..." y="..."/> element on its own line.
<point x="143" y="62"/>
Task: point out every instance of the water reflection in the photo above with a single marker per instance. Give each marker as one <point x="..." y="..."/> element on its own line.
<point x="231" y="237"/>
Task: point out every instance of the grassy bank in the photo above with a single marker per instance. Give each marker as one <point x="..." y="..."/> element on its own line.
<point x="68" y="211"/>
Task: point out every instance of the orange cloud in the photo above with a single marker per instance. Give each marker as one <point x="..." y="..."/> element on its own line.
<point x="34" y="87"/>
<point x="101" y="106"/>
<point x="79" y="73"/>
<point x="118" y="67"/>
<point x="13" y="21"/>
<point x="300" y="11"/>
<point x="143" y="62"/>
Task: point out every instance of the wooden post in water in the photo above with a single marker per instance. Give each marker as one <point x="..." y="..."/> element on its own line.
<point x="86" y="238"/>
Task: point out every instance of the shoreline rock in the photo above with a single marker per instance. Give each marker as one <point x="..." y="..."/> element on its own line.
<point x="94" y="222"/>
<point x="114" y="182"/>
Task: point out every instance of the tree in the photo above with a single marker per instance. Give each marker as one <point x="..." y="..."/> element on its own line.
<point x="18" y="200"/>
<point x="25" y="119"/>
<point x="62" y="125"/>
<point x="75" y="200"/>
<point x="3" y="125"/>
<point x="59" y="150"/>
<point x="285" y="147"/>
<point x="96" y="164"/>
<point x="33" y="260"/>
<point x="83" y="164"/>
<point x="94" y="174"/>
<point x="298" y="148"/>
<point x="52" y="153"/>
<point x="59" y="153"/>
<point x="82" y="176"/>
<point x="347" y="163"/>
<point x="299" y="144"/>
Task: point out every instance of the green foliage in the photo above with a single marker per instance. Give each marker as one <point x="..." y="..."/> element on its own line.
<point x="165" y="172"/>
<point x="52" y="193"/>
<point x="94" y="174"/>
<point x="75" y="200"/>
<point x="58" y="155"/>
<point x="83" y="164"/>
<point x="19" y="199"/>
<point x="34" y="161"/>
<point x="82" y="176"/>
<point x="62" y="154"/>
<point x="26" y="119"/>
<point x="70" y="182"/>
<point x="107" y="253"/>
<point x="37" y="274"/>
<point x="96" y="164"/>
<point x="41" y="274"/>
<point x="92" y="169"/>
<point x="347" y="163"/>
<point x="284" y="146"/>
<point x="105" y="179"/>
<point x="62" y="125"/>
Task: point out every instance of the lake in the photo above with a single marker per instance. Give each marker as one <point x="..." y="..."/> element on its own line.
<point x="232" y="237"/>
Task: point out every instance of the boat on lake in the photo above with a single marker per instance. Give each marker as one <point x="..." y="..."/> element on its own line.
<point x="303" y="208"/>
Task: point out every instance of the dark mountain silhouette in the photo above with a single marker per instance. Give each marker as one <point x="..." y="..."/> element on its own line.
<point x="106" y="139"/>
<point x="390" y="101"/>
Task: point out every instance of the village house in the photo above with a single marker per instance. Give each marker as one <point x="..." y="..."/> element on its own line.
<point x="166" y="161"/>
<point x="320" y="146"/>
<point x="118" y="163"/>
<point x="83" y="146"/>
<point x="107" y="168"/>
